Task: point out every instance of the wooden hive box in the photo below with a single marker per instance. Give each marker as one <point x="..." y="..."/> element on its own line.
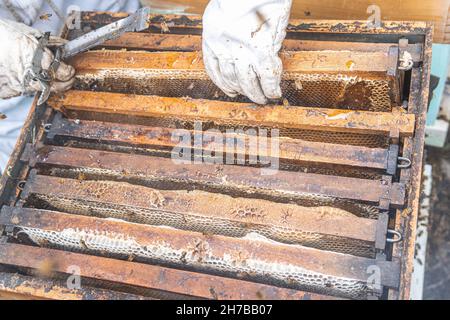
<point x="91" y="182"/>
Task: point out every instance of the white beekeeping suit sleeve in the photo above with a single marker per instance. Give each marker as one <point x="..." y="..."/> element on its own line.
<point x="241" y="41"/>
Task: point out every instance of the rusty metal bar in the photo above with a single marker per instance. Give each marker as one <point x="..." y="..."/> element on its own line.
<point x="147" y="276"/>
<point x="235" y="179"/>
<point x="321" y="228"/>
<point x="65" y="130"/>
<point x="243" y="114"/>
<point x="259" y="260"/>
<point x="15" y="286"/>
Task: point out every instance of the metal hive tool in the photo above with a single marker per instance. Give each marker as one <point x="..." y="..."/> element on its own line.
<point x="92" y="182"/>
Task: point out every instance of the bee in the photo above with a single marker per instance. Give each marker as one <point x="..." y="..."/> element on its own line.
<point x="164" y="27"/>
<point x="83" y="244"/>
<point x="183" y="257"/>
<point x="45" y="17"/>
<point x="285" y="215"/>
<point x="213" y="293"/>
<point x="81" y="176"/>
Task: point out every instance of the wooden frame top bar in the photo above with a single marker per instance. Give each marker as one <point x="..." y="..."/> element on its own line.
<point x="140" y="136"/>
<point x="147" y="276"/>
<point x="207" y="205"/>
<point x="242" y="251"/>
<point x="293" y="61"/>
<point x="248" y="114"/>
<point x="245" y="180"/>
<point x="295" y="25"/>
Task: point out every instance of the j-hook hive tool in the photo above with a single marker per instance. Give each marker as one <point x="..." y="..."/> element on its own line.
<point x="133" y="23"/>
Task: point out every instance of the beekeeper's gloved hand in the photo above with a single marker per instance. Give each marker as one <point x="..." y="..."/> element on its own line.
<point x="19" y="43"/>
<point x="241" y="41"/>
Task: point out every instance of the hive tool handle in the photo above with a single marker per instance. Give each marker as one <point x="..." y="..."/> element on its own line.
<point x="133" y="23"/>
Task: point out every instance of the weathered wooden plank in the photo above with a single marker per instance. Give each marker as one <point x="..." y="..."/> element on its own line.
<point x="192" y="42"/>
<point x="341" y="26"/>
<point x="406" y="220"/>
<point x="147" y="276"/>
<point x="293" y="61"/>
<point x="20" y="287"/>
<point x="267" y="262"/>
<point x="139" y="136"/>
<point x="341" y="79"/>
<point x="13" y="171"/>
<point x="242" y="114"/>
<point x="435" y="11"/>
<point x="226" y="178"/>
<point x="321" y="228"/>
<point x="188" y="42"/>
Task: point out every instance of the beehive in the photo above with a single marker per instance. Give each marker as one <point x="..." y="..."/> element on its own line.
<point x="92" y="182"/>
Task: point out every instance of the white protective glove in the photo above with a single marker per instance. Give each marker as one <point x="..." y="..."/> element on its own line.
<point x="241" y="41"/>
<point x="19" y="45"/>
